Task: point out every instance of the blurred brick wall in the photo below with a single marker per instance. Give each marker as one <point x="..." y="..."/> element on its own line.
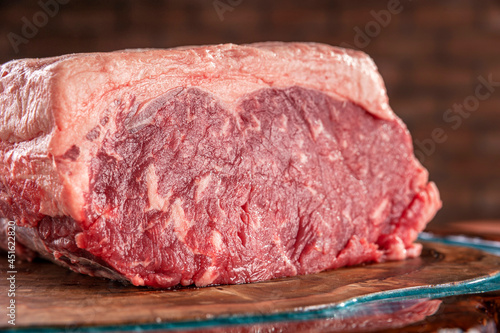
<point x="431" y="54"/>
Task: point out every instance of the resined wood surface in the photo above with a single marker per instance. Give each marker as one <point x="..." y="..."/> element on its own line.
<point x="49" y="295"/>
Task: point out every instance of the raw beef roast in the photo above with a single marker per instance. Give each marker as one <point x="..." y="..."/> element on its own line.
<point x="208" y="165"/>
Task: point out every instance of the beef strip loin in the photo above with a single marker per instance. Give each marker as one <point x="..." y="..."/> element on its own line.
<point x="208" y="165"/>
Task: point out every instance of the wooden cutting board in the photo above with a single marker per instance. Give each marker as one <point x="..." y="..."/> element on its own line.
<point x="51" y="296"/>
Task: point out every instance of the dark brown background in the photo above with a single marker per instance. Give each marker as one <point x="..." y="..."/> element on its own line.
<point x="431" y="55"/>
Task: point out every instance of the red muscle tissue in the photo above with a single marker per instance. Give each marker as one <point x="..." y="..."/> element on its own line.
<point x="208" y="165"/>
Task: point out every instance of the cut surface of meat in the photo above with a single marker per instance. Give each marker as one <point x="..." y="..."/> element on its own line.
<point x="208" y="165"/>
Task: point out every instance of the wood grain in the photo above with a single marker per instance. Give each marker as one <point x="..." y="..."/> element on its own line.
<point x="48" y="295"/>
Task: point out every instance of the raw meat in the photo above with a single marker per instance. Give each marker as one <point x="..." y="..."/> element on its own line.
<point x="208" y="165"/>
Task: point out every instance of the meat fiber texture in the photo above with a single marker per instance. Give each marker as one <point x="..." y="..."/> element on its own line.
<point x="208" y="165"/>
